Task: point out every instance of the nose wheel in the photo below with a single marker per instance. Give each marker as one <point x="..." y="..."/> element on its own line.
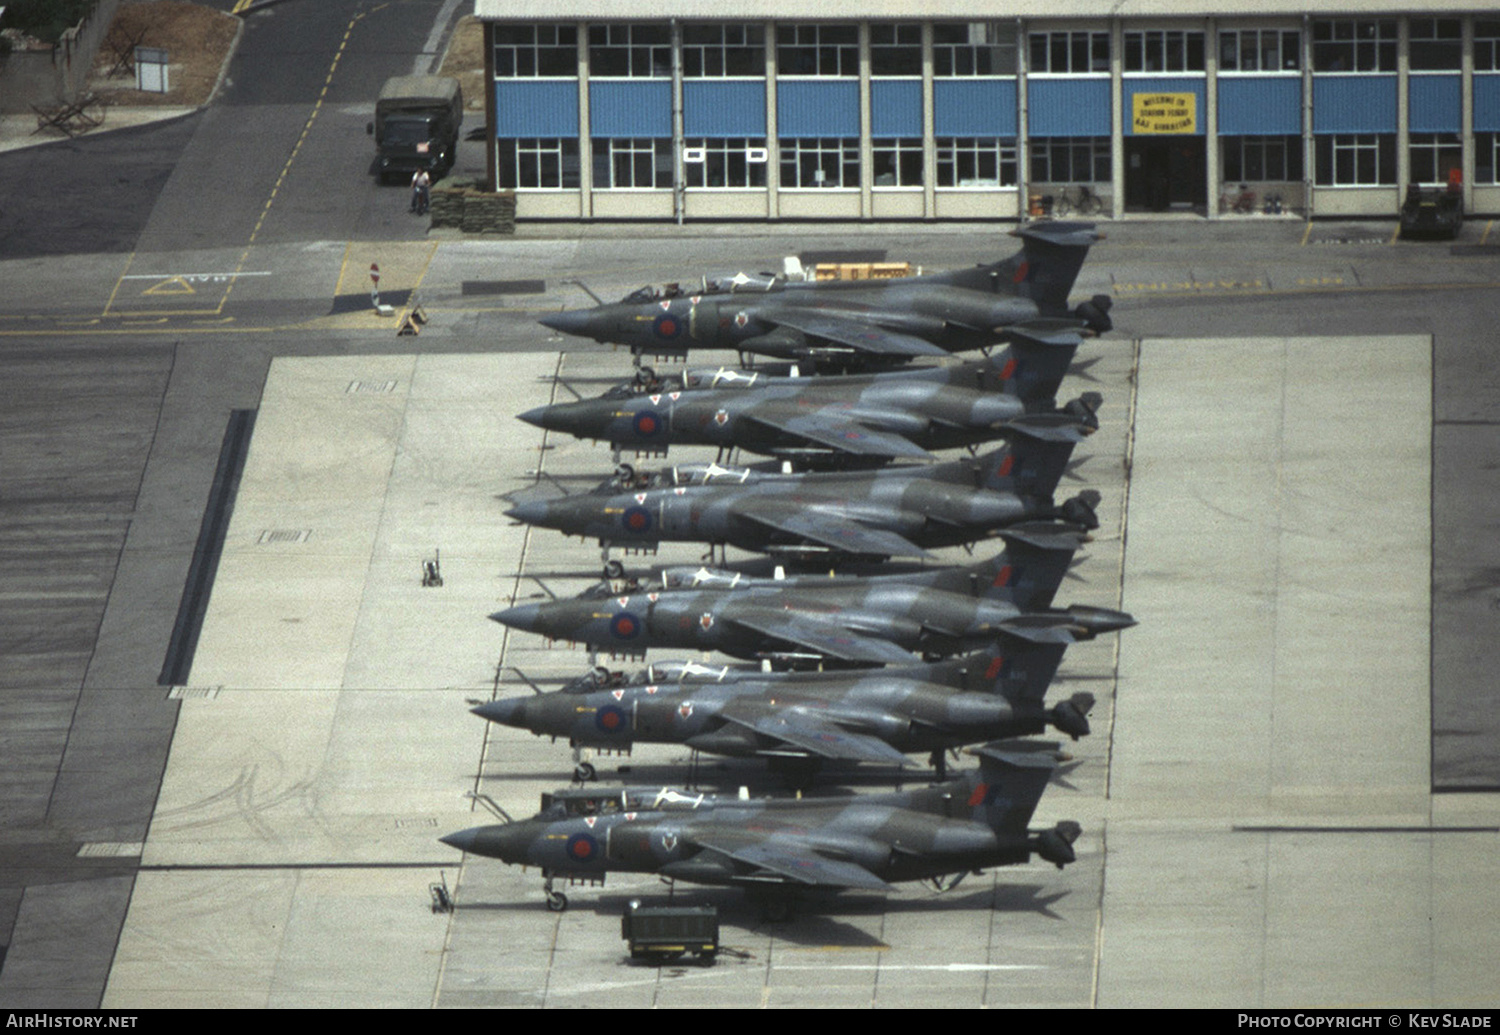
<point x="557" y="902"/>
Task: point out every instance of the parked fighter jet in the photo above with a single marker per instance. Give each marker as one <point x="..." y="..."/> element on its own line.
<point x="796" y="721"/>
<point x="863" y="621"/>
<point x="813" y="420"/>
<point x="896" y="512"/>
<point x="977" y="820"/>
<point x="850" y="323"/>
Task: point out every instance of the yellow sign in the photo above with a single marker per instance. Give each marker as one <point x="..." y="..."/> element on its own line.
<point x="1164" y="113"/>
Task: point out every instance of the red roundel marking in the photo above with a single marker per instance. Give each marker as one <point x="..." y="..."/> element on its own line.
<point x="993" y="669"/>
<point x="1021" y="272"/>
<point x="980" y="792"/>
<point x="668" y="328"/>
<point x="582" y="847"/>
<point x="625" y="626"/>
<point x="1009" y="370"/>
<point x="638" y="521"/>
<point x="1006" y="465"/>
<point x="1002" y="577"/>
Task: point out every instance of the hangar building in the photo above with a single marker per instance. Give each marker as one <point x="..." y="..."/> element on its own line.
<point x="960" y="109"/>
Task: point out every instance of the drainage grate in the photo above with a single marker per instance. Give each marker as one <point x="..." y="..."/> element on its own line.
<point x="285" y="535"/>
<point x="193" y="693"/>
<point x="370" y="387"/>
<point x="110" y="849"/>
<point x="505" y="287"/>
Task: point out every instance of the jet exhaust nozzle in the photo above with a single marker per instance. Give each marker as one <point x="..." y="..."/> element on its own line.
<point x="1071" y="716"/>
<point x="1095" y="314"/>
<point x="1080" y="510"/>
<point x="1056" y="845"/>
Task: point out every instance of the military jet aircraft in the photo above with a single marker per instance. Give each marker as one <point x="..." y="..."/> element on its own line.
<point x="896" y="512"/>
<point x="820" y="619"/>
<point x="977" y="820"/>
<point x="815" y="421"/>
<point x="854" y="323"/>
<point x="796" y="721"/>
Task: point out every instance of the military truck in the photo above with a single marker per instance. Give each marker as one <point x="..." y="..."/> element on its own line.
<point x="417" y="119"/>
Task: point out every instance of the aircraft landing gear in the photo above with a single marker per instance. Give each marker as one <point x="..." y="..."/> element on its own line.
<point x="584" y="772"/>
<point x="557" y="902"/>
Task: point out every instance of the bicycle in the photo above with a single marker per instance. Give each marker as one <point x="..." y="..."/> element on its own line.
<point x="1079" y="199"/>
<point x="1243" y="202"/>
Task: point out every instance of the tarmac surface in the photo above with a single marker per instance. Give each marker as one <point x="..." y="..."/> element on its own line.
<point x="224" y="771"/>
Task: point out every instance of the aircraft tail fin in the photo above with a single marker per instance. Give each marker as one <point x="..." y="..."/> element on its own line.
<point x="1052" y="253"/>
<point x="1033" y="365"/>
<point x="1035" y="459"/>
<point x="1011" y="778"/>
<point x="1014" y="668"/>
<point x="1030" y="569"/>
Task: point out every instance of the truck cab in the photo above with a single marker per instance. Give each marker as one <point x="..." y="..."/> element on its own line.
<point x="416" y="126"/>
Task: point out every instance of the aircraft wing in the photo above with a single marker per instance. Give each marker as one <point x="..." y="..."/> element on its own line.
<point x="843" y="435"/>
<point x="855" y="334"/>
<point x="843" y="536"/>
<point x="828" y="638"/>
<point x="790" y="860"/>
<point x="817" y="736"/>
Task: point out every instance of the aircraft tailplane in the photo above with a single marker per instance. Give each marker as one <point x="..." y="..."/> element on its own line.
<point x="1052" y="253"/>
<point x="1035" y="460"/>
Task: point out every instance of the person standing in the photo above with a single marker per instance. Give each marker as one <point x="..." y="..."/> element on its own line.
<point x="421" y="192"/>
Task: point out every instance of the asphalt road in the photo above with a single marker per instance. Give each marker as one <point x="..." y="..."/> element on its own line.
<point x="120" y="385"/>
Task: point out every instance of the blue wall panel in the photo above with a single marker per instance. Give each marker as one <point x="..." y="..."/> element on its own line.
<point x="536" y="108"/>
<point x="975" y="107"/>
<point x="1067" y="107"/>
<point x="1260" y="106"/>
<point x="724" y="108"/>
<point x="1487" y="103"/>
<point x="805" y="108"/>
<point x="630" y="108"/>
<point x="1435" y="103"/>
<point x="1354" y="104"/>
<point x="1166" y="84"/>
<point x="896" y="108"/>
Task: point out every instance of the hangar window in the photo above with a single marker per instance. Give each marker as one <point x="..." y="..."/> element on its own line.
<point x="819" y="162"/>
<point x="1434" y="156"/>
<point x="537" y="163"/>
<point x="822" y="50"/>
<point x="1486" y="46"/>
<point x="632" y="163"/>
<point x="535" y="51"/>
<point x="974" y="48"/>
<point x="1437" y="44"/>
<point x="725" y="162"/>
<point x="896" y="49"/>
<point x="1356" y="159"/>
<point x="1068" y="53"/>
<point x="1163" y="50"/>
<point x="897" y="162"/>
<point x="719" y="50"/>
<point x="1486" y="151"/>
<point x="1260" y="50"/>
<point x="630" y="51"/>
<point x="1261" y="159"/>
<point x="976" y="162"/>
<point x="1346" y="45"/>
<point x="1070" y="160"/>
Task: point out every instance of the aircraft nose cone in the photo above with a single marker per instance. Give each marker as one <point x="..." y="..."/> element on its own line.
<point x="535" y="417"/>
<point x="1101" y="619"/>
<point x="523" y="617"/>
<point x="508" y="842"/>
<point x="530" y="513"/>
<point x="571" y="321"/>
<point x="509" y="712"/>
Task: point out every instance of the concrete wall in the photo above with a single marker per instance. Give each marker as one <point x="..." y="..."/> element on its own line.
<point x="57" y="76"/>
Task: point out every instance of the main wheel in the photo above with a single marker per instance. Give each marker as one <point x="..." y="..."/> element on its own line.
<point x="583" y="772"/>
<point x="557" y="902"/>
